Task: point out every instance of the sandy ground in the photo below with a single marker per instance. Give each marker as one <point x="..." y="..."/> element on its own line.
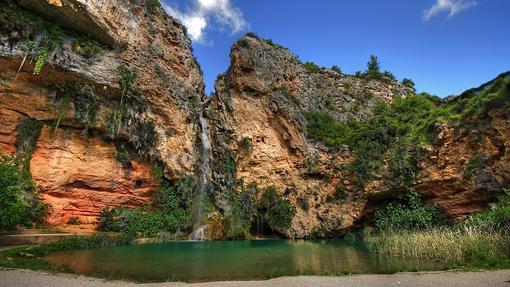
<point x="26" y="278"/>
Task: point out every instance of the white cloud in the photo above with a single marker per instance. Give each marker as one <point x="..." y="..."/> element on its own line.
<point x="205" y="13"/>
<point x="454" y="7"/>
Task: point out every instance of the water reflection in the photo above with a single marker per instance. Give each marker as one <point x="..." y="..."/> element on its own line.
<point x="230" y="260"/>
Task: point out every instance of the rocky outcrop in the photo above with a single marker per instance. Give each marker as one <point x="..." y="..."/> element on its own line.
<point x="262" y="99"/>
<point x="91" y="48"/>
<point x="258" y="114"/>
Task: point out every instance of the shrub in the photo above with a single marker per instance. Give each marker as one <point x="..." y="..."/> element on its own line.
<point x="73" y="220"/>
<point x="12" y="183"/>
<point x="107" y="221"/>
<point x="311" y="67"/>
<point x="18" y="202"/>
<point x="340" y="193"/>
<point x="245" y="145"/>
<point x="496" y="217"/>
<point x="169" y="213"/>
<point x="238" y="219"/>
<point x="87" y="47"/>
<point x="407" y="213"/>
<point x="86" y="104"/>
<point x="373" y="68"/>
<point x="27" y="134"/>
<point x="402" y="167"/>
<point x="122" y="156"/>
<point x="312" y="165"/>
<point x="277" y="212"/>
<point x="408" y="83"/>
<point x="336" y="69"/>
<point x="55" y="37"/>
<point x="153" y="3"/>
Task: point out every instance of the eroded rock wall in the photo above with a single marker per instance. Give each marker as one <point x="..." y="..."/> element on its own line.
<point x="263" y="98"/>
<point x="75" y="165"/>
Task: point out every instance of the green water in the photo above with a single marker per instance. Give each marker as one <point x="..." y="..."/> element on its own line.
<point x="231" y="260"/>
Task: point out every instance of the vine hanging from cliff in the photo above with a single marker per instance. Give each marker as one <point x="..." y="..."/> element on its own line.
<point x="55" y="37"/>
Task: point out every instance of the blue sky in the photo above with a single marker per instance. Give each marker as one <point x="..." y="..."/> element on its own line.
<point x="445" y="46"/>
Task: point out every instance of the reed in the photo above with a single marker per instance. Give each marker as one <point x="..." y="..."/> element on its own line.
<point x="462" y="246"/>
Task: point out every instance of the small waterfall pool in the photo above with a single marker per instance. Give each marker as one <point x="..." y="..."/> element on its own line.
<point x="205" y="261"/>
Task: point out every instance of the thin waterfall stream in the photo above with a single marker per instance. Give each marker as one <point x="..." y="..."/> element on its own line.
<point x="200" y="204"/>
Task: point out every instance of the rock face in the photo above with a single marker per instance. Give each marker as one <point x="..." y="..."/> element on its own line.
<point x="78" y="91"/>
<point x="263" y="98"/>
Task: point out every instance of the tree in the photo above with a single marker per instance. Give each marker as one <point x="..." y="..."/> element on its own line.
<point x="336" y="69"/>
<point x="373" y="68"/>
<point x="408" y="83"/>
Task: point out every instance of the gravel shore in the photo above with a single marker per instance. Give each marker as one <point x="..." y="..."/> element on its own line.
<point x="27" y="278"/>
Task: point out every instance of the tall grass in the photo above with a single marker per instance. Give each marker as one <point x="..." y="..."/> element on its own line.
<point x="462" y="246"/>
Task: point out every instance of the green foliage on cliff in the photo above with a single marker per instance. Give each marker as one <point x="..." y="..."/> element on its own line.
<point x="395" y="129"/>
<point x="53" y="39"/>
<point x="126" y="118"/>
<point x="28" y="131"/>
<point x="170" y="213"/>
<point x="277" y="212"/>
<point x="311" y="67"/>
<point x="238" y="219"/>
<point x="87" y="47"/>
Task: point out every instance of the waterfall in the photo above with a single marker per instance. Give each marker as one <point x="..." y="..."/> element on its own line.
<point x="200" y="202"/>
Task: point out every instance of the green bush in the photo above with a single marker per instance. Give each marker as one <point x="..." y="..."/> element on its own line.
<point x="373" y="68"/>
<point x="245" y="145"/>
<point x="153" y="3"/>
<point x="12" y="184"/>
<point x="122" y="156"/>
<point x="336" y="69"/>
<point x="170" y="213"/>
<point x="408" y="212"/>
<point x="402" y="167"/>
<point x="277" y="212"/>
<point x="87" y="47"/>
<point x="408" y="83"/>
<point x="496" y="217"/>
<point x="311" y="67"/>
<point x="18" y="202"/>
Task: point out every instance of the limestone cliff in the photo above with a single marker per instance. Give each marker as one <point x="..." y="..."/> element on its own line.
<point x="258" y="113"/>
<point x="118" y="90"/>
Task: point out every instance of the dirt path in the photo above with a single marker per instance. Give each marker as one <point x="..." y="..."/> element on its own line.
<point x="26" y="278"/>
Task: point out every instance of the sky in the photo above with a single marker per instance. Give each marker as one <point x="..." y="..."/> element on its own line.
<point x="444" y="46"/>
